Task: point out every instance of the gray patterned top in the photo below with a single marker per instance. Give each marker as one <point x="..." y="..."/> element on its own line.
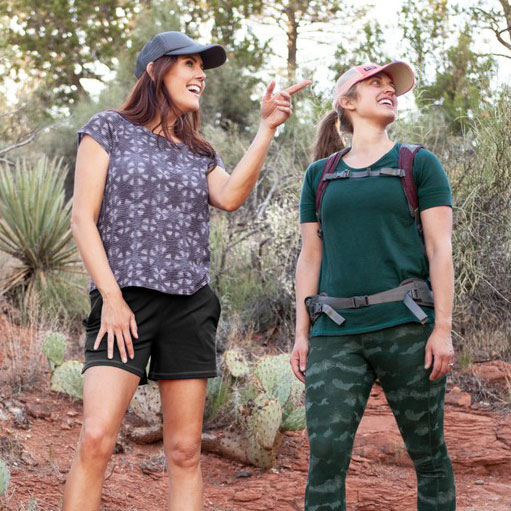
<point x="154" y="216"/>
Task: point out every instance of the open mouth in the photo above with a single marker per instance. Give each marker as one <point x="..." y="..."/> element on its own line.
<point x="194" y="89"/>
<point x="387" y="102"/>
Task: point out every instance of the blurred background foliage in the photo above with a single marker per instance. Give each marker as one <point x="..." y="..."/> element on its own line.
<point x="67" y="59"/>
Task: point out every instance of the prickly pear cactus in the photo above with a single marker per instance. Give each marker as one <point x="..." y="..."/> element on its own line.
<point x="263" y="429"/>
<point x="54" y="347"/>
<point x="68" y="379"/>
<point x="4" y="477"/>
<point x="275" y="376"/>
<point x="146" y="403"/>
<point x="236" y="364"/>
<point x="272" y="374"/>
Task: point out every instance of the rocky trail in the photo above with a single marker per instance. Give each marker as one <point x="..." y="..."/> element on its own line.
<point x="39" y="431"/>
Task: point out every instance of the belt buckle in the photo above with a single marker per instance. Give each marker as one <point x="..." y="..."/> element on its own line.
<point x="360" y="301"/>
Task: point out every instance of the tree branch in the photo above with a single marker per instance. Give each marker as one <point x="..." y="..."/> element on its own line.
<point x="29" y="139"/>
<point x="13" y="112"/>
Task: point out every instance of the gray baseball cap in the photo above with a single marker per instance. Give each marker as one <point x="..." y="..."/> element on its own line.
<point x="177" y="43"/>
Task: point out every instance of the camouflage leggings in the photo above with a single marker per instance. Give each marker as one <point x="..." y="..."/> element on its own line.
<point x="339" y="376"/>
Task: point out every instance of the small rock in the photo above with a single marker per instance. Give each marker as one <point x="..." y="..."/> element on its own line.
<point x="38" y="410"/>
<point x="479" y="481"/>
<point x="119" y="448"/>
<point x="242" y="473"/>
<point x="456" y="397"/>
<point x="20" y="418"/>
<point x="247" y="496"/>
<point x="72" y="413"/>
<point x="496" y="371"/>
<point x="28" y="459"/>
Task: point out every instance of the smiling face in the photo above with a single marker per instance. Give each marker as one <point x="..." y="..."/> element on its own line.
<point x="185" y="82"/>
<point x="375" y="100"/>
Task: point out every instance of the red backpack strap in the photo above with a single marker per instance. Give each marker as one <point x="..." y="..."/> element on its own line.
<point x="405" y="161"/>
<point x="329" y="168"/>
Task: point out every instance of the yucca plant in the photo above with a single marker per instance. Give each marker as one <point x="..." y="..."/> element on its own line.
<point x="35" y="228"/>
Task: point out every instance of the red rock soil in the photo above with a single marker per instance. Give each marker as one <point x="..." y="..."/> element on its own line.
<point x="39" y="448"/>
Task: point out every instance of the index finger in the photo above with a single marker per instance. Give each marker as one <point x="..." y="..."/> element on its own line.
<point x="269" y="90"/>
<point x="297" y="86"/>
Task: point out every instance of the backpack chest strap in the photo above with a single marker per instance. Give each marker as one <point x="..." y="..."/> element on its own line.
<point x="348" y="174"/>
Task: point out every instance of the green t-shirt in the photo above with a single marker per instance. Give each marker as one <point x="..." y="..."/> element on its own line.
<point x="370" y="241"/>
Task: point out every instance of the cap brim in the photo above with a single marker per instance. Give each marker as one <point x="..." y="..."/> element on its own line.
<point x="213" y="55"/>
<point x="402" y="75"/>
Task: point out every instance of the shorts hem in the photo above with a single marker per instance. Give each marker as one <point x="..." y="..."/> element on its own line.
<point x="182" y="376"/>
<point x="112" y="363"/>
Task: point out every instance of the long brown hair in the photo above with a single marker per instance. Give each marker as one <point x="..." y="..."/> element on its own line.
<point x="329" y="132"/>
<point x="150" y="96"/>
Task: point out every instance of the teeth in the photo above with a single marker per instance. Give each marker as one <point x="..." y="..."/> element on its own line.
<point x="194" y="88"/>
<point x="386" y="102"/>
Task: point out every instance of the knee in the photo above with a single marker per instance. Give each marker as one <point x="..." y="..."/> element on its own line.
<point x="183" y="452"/>
<point x="96" y="442"/>
<point x="327" y="446"/>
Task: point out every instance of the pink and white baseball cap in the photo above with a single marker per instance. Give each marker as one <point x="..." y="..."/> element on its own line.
<point x="401" y="73"/>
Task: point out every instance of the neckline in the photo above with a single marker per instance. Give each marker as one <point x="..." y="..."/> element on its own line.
<point x="151" y="133"/>
<point x="372" y="165"/>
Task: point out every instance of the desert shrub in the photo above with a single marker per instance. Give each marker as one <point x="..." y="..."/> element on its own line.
<point x="35" y="231"/>
<point x="478" y="163"/>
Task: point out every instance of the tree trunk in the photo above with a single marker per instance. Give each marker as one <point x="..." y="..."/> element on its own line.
<point x="292" y="39"/>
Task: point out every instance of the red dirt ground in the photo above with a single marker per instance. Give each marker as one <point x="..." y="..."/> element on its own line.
<point x="381" y="476"/>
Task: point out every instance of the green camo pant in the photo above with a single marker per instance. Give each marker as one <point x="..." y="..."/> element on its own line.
<point x="339" y="376"/>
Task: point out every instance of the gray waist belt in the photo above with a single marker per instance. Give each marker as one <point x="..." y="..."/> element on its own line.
<point x="412" y="293"/>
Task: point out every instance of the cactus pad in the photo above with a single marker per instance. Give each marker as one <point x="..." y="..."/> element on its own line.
<point x="68" y="379"/>
<point x="4" y="477"/>
<point x="275" y="376"/>
<point x="236" y="364"/>
<point x="54" y="347"/>
<point x="264" y="424"/>
<point x="146" y="403"/>
<point x="295" y="420"/>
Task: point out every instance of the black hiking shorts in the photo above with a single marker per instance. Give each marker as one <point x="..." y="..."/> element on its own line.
<point x="176" y="334"/>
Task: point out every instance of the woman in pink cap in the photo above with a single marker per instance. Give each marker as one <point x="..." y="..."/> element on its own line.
<point x="375" y="279"/>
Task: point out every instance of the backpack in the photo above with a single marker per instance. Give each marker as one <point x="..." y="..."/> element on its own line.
<point x="404" y="171"/>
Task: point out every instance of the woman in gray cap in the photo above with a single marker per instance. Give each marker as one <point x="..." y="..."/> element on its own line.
<point x="144" y="179"/>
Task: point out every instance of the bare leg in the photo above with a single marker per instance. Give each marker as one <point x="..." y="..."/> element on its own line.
<point x="107" y="392"/>
<point x="183" y="410"/>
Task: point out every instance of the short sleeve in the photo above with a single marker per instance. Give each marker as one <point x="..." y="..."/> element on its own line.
<point x="308" y="195"/>
<point x="101" y="128"/>
<point x="433" y="188"/>
<point x="215" y="162"/>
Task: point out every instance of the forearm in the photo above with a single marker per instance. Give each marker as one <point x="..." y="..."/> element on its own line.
<point x="93" y="254"/>
<point x="245" y="174"/>
<point x="442" y="281"/>
<point x="306" y="284"/>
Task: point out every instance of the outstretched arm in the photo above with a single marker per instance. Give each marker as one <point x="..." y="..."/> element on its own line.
<point x="228" y="192"/>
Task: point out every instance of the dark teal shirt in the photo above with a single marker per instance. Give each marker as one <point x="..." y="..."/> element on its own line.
<point x="370" y="241"/>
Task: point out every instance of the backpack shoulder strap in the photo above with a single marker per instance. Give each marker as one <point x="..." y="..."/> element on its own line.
<point x="405" y="161"/>
<point x="329" y="168"/>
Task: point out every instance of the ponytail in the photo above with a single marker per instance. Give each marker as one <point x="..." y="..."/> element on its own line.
<point x="328" y="137"/>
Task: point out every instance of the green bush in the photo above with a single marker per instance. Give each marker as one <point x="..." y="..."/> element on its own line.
<point x="35" y="231"/>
